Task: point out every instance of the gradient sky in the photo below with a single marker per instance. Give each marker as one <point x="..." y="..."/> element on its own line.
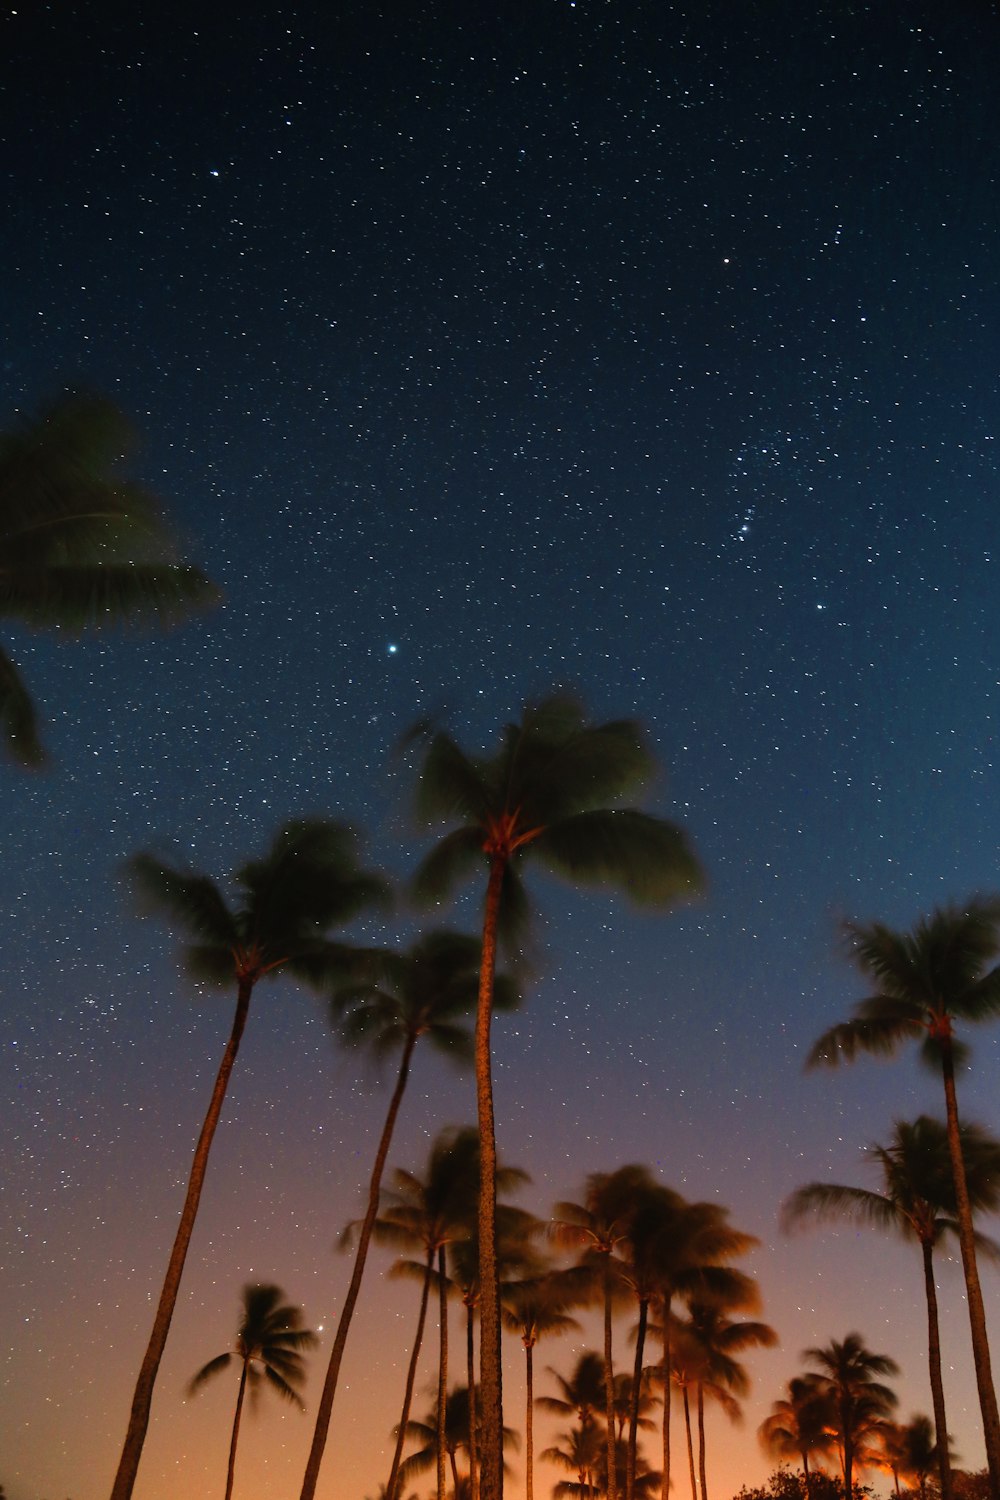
<point x="647" y="348"/>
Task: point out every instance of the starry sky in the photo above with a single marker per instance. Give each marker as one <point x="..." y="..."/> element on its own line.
<point x="645" y="348"/>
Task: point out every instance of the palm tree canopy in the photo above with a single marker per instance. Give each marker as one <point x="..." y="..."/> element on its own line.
<point x="849" y="1371"/>
<point x="269" y="1344"/>
<point x="582" y="1391"/>
<point x="309" y="880"/>
<point x="799" y="1424"/>
<point x="80" y="545"/>
<point x="456" y="1434"/>
<point x="428" y="990"/>
<point x="540" y="1306"/>
<point x="917" y="1199"/>
<point x="926" y="979"/>
<point x="553" y="786"/>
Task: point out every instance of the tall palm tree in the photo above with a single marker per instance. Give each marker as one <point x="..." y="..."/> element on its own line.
<point x="799" y="1424"/>
<point x="721" y="1339"/>
<point x="861" y="1403"/>
<point x="917" y="1202"/>
<point x="269" y="1345"/>
<point x="546" y="793"/>
<point x="398" y="999"/>
<point x="536" y="1309"/>
<point x="942" y="972"/>
<point x="309" y="880"/>
<point x="599" y="1229"/>
<point x="80" y="545"/>
<point x="456" y="1424"/>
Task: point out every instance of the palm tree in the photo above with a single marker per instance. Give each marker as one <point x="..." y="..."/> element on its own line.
<point x="926" y="981"/>
<point x="80" y="546"/>
<point x="720" y="1339"/>
<point x="269" y="1345"/>
<point x="861" y="1403"/>
<point x="910" y="1452"/>
<point x="918" y="1202"/>
<point x="580" y="1454"/>
<point x="399" y="998"/>
<point x="599" y="1228"/>
<point x="309" y="880"/>
<point x="456" y="1425"/>
<point x="546" y="792"/>
<point x="799" y="1425"/>
<point x="535" y="1309"/>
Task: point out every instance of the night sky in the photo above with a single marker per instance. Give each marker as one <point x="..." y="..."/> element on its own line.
<point x="648" y="349"/>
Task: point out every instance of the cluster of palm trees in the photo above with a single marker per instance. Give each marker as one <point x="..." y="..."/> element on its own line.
<point x="80" y="545"/>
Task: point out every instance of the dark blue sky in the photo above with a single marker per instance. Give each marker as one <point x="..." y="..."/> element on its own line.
<point x="645" y="348"/>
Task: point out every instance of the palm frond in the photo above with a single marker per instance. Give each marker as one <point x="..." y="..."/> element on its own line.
<point x="18" y="720"/>
<point x="457" y="856"/>
<point x="825" y="1203"/>
<point x="193" y="901"/>
<point x="214" y="1367"/>
<point x="451" y="784"/>
<point x="646" y="857"/>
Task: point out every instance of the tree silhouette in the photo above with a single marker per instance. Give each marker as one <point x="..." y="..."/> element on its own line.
<point x="387" y="1007"/>
<point x="926" y="981"/>
<point x="549" y="792"/>
<point x="534" y="1309"/>
<point x="800" y="1424"/>
<point x="80" y="546"/>
<point x="861" y="1403"/>
<point x="269" y="1345"/>
<point x="917" y="1202"/>
<point x="309" y="880"/>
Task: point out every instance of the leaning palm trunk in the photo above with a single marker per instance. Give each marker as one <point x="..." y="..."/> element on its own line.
<point x="231" y="1472"/>
<point x="609" y="1385"/>
<point x="411" y="1375"/>
<point x="490" y="1391"/>
<point x="687" y="1428"/>
<point x="633" y="1425"/>
<point x="937" y="1384"/>
<point x="701" y="1441"/>
<point x="967" y="1241"/>
<point x="442" y="1480"/>
<point x="142" y="1399"/>
<point x="325" y="1409"/>
<point x="665" y="1367"/>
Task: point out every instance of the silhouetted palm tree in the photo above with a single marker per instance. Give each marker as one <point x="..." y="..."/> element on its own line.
<point x="578" y="1451"/>
<point x="910" y="1452"/>
<point x="399" y="998"/>
<point x="80" y="546"/>
<point x="309" y="881"/>
<point x="455" y="1425"/>
<point x="800" y="1424"/>
<point x="861" y="1403"/>
<point x="269" y="1345"/>
<point x="720" y="1339"/>
<point x="598" y="1228"/>
<point x="918" y="1202"/>
<point x="546" y="793"/>
<point x="926" y="981"/>
<point x="534" y="1309"/>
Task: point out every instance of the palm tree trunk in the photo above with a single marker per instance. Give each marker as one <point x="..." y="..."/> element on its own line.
<point x="609" y="1384"/>
<point x="977" y="1313"/>
<point x="442" y="1473"/>
<point x="701" y="1441"/>
<point x="411" y="1375"/>
<point x="470" y="1376"/>
<point x="454" y="1473"/>
<point x="490" y="1385"/>
<point x="937" y="1384"/>
<point x="529" y="1428"/>
<point x="848" y="1453"/>
<point x="325" y="1409"/>
<point x="667" y="1392"/>
<point x="633" y="1424"/>
<point x="687" y="1427"/>
<point x="142" y="1399"/>
<point x="231" y="1472"/>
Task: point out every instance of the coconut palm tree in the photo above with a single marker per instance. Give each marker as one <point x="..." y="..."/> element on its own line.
<point x="942" y="973"/>
<point x="721" y="1339"/>
<point x="535" y="1309"/>
<point x="309" y="881"/>
<point x="579" y="1451"/>
<point x="80" y="545"/>
<point x="800" y="1424"/>
<point x="598" y="1228"/>
<point x="861" y="1403"/>
<point x="910" y="1452"/>
<point x="550" y="792"/>
<point x="395" y="1000"/>
<point x="455" y="1423"/>
<point x="917" y="1202"/>
<point x="269" y="1345"/>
